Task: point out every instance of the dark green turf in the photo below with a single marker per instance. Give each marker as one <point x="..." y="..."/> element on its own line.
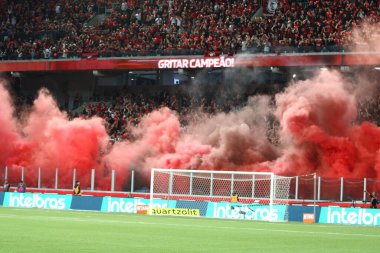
<point x="37" y="230"/>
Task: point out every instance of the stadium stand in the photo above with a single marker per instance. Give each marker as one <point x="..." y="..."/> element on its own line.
<point x="91" y="28"/>
<point x="136" y="28"/>
<point x="43" y="30"/>
<point x="97" y="28"/>
<point x="129" y="108"/>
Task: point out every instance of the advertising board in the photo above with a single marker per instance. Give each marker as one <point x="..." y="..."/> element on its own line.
<point x="30" y="200"/>
<point x="350" y="216"/>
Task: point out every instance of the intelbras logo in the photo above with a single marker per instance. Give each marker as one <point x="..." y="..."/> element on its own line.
<point x="127" y="205"/>
<point x="245" y="212"/>
<point x="36" y="201"/>
<point x="351" y="216"/>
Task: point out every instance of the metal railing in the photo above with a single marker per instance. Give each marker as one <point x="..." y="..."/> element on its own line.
<point x="304" y="187"/>
<point x="262" y="50"/>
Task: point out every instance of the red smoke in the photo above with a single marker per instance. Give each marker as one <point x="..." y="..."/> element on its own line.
<point x="317" y="134"/>
<point x="8" y="129"/>
<point x="45" y="138"/>
<point x="316" y="118"/>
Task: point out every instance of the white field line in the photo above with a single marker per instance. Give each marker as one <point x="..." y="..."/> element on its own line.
<point x="56" y="218"/>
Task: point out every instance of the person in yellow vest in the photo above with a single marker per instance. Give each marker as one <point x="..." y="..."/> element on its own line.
<point x="234" y="197"/>
<point x="77" y="190"/>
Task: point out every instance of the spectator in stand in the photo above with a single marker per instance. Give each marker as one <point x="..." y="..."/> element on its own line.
<point x="179" y="26"/>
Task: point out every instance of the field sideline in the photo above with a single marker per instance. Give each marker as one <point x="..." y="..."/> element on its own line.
<point x="40" y="230"/>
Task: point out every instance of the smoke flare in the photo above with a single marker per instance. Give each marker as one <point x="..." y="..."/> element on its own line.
<point x="318" y="132"/>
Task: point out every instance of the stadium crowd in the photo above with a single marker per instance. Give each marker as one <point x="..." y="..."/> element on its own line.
<point x="61" y="29"/>
<point x="128" y="109"/>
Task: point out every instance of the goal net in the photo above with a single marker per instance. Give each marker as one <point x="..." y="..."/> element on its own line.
<point x="261" y="195"/>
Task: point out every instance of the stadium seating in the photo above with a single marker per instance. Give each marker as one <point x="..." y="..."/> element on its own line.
<point x="44" y="29"/>
<point x="68" y="28"/>
<point x="130" y="108"/>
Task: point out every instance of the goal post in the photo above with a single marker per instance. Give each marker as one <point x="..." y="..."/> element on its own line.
<point x="211" y="191"/>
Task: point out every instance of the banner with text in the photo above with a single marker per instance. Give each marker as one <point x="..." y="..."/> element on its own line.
<point x="350" y="216"/>
<point x="240" y="211"/>
<point x="175" y="211"/>
<point x="130" y="205"/>
<point x="30" y="200"/>
<point x="193" y="63"/>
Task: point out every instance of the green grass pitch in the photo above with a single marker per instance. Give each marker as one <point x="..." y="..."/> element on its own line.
<point x="38" y="230"/>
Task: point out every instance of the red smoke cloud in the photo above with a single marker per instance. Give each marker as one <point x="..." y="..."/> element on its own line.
<point x="8" y="129"/>
<point x="317" y="134"/>
<point x="45" y="138"/>
<point x="316" y="118"/>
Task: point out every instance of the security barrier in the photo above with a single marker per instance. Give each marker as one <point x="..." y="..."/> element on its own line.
<point x="304" y="187"/>
<point x="222" y="210"/>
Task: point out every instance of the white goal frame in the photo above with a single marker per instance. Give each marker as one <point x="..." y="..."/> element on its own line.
<point x="278" y="192"/>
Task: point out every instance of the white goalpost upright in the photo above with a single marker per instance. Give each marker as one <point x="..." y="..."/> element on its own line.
<point x="254" y="189"/>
